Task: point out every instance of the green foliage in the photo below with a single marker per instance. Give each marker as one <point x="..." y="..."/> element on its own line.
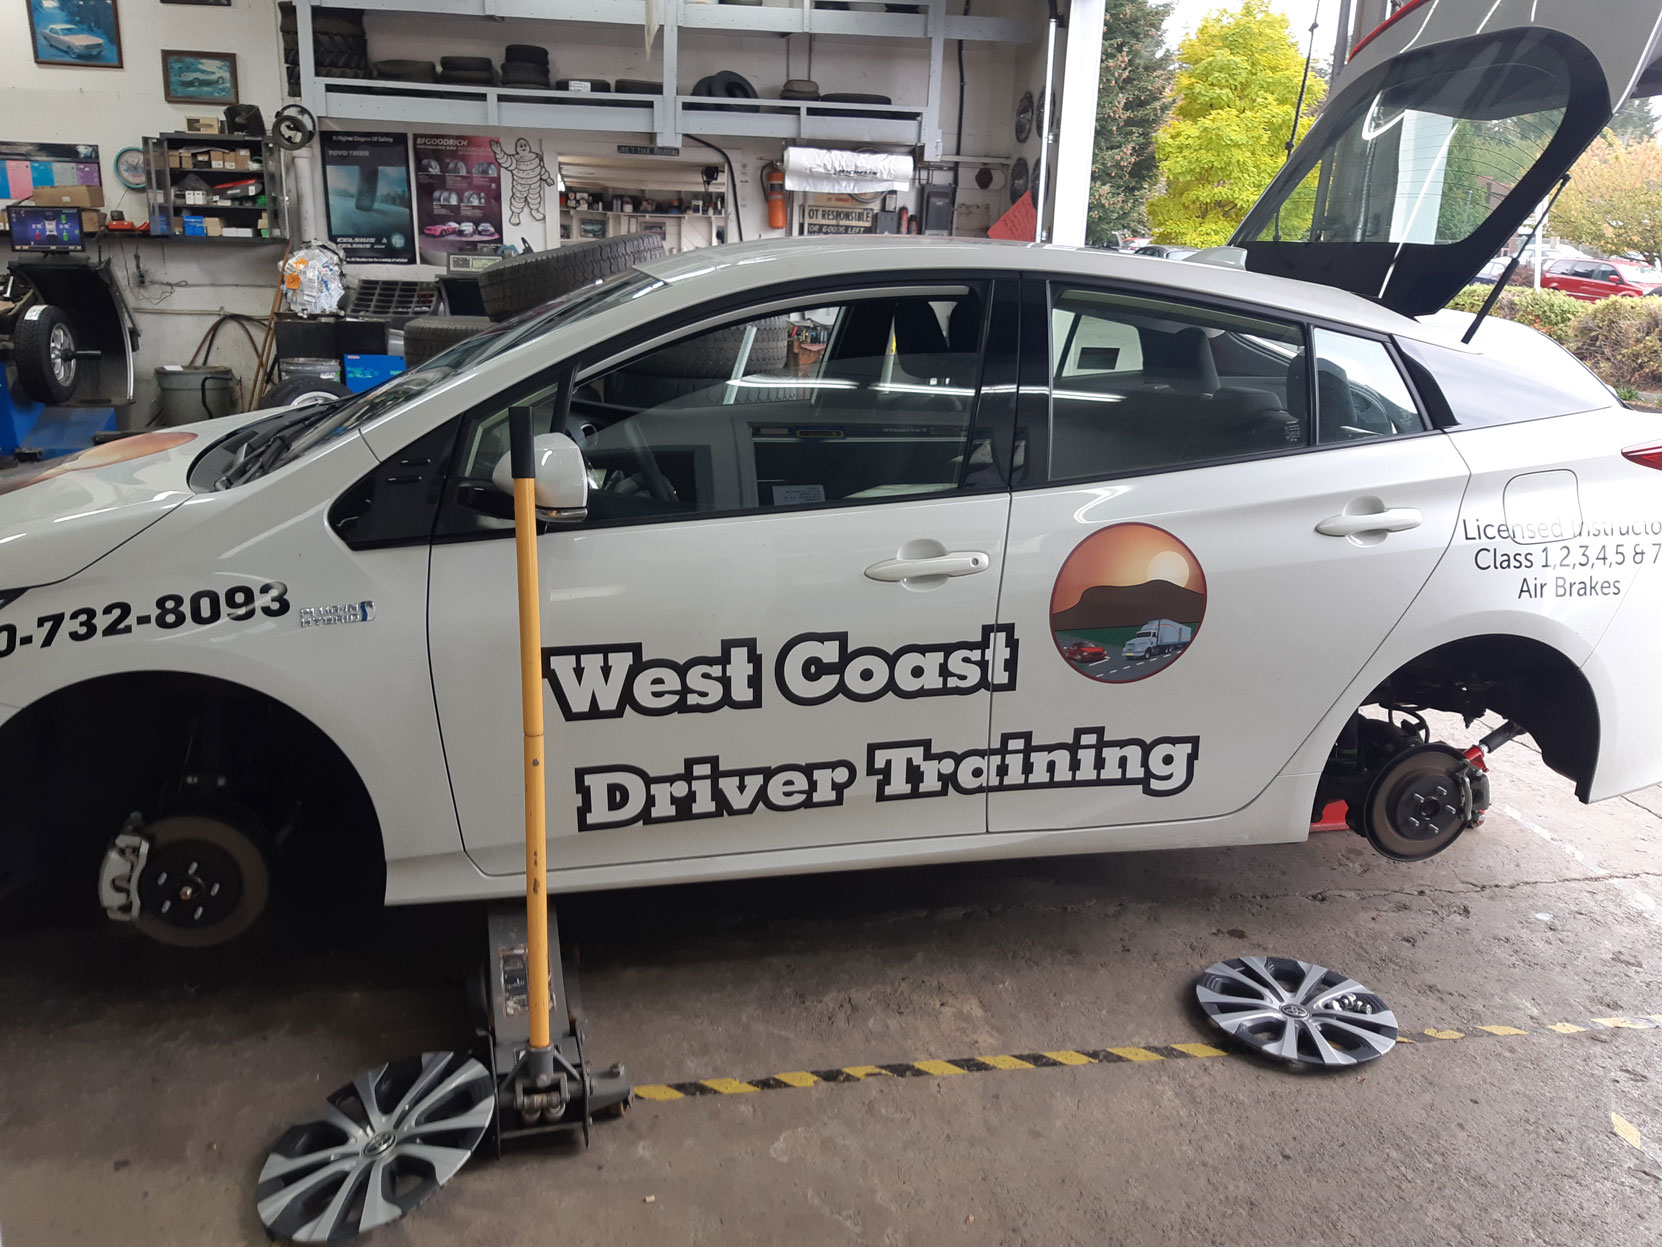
<point x="1634" y="122"/>
<point x="1613" y="203"/>
<point x="1236" y="86"/>
<point x="1132" y="103"/>
<point x="1552" y="312"/>
<point x="1627" y="393"/>
<point x="1621" y="340"/>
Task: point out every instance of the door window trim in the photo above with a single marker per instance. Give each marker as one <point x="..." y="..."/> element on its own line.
<point x="1037" y="382"/>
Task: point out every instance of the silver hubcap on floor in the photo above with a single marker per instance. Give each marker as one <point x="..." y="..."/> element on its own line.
<point x="61" y="346"/>
<point x="1296" y="1011"/>
<point x="380" y="1145"/>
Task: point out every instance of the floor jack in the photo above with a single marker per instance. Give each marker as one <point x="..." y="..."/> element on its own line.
<point x="386" y="1141"/>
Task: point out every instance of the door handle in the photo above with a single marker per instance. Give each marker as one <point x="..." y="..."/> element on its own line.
<point x="1391" y="520"/>
<point x="958" y="563"/>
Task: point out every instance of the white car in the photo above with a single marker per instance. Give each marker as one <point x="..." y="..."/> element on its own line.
<point x="73" y="40"/>
<point x="815" y="613"/>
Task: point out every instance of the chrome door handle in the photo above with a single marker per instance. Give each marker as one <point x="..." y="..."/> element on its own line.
<point x="958" y="563"/>
<point x="1393" y="520"/>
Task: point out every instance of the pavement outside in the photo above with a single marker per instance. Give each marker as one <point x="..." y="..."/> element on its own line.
<point x="138" y="1102"/>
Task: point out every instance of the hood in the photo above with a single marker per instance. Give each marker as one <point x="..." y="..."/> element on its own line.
<point x="1450" y="125"/>
<point x="59" y="516"/>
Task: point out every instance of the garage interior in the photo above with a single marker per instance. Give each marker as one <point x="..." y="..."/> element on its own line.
<point x="1004" y="1053"/>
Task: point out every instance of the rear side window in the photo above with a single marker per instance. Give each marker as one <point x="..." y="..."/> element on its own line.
<point x="1535" y="380"/>
<point x="1360" y="395"/>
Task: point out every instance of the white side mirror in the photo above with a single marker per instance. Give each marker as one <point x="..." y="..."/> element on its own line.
<point x="562" y="479"/>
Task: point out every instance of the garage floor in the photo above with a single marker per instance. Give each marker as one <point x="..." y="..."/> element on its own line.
<point x="136" y="1105"/>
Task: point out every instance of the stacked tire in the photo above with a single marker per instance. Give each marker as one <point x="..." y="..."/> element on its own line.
<point x="406" y="71"/>
<point x="525" y="65"/>
<point x="339" y="47"/>
<point x="521" y="283"/>
<point x="467" y="71"/>
<point x="427" y="336"/>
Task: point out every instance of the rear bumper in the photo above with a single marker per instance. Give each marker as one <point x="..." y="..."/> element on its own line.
<point x="1626" y="680"/>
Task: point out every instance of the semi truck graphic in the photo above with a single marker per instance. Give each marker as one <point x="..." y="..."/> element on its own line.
<point x="1157" y="638"/>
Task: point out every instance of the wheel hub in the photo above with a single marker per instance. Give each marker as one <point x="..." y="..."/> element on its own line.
<point x="1296" y="1011"/>
<point x="190" y="884"/>
<point x="61" y="347"/>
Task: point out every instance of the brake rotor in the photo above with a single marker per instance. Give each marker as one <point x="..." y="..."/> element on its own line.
<point x="1297" y="1011"/>
<point x="1421" y="801"/>
<point x="379" y="1147"/>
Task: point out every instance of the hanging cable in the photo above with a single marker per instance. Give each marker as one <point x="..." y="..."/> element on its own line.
<point x="732" y="182"/>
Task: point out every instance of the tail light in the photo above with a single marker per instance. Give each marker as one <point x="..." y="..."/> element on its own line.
<point x="1380" y="29"/>
<point x="1644" y="456"/>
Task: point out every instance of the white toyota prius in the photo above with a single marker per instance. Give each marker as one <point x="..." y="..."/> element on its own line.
<point x="882" y="552"/>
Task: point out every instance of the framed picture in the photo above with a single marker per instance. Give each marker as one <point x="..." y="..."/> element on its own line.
<point x="224" y="4"/>
<point x="75" y="32"/>
<point x="199" y="77"/>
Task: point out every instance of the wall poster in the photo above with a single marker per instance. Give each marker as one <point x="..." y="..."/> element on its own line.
<point x="367" y="184"/>
<point x="458" y="196"/>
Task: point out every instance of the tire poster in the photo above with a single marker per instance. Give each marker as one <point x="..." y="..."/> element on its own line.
<point x="458" y="196"/>
<point x="367" y="183"/>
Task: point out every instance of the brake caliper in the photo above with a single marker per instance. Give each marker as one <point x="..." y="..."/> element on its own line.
<point x="119" y="874"/>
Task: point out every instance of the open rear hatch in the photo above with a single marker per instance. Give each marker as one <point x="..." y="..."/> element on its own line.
<point x="1452" y="122"/>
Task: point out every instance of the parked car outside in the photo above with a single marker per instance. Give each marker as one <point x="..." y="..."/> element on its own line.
<point x="1592" y="280"/>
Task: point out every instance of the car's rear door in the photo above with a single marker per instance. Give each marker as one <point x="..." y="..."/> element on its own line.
<point x="1448" y="128"/>
<point x="1262" y="496"/>
<point x="795" y="536"/>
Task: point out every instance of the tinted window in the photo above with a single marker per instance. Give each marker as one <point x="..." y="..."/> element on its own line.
<point x="1360" y="395"/>
<point x="1494" y="389"/>
<point x="1139" y="384"/>
<point x="862" y="401"/>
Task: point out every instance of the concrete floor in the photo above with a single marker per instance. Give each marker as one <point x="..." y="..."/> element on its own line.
<point x="136" y="1105"/>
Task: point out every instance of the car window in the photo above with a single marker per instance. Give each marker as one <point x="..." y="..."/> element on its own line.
<point x="1605" y="273"/>
<point x="1360" y="394"/>
<point x="1139" y="384"/>
<point x="854" y="402"/>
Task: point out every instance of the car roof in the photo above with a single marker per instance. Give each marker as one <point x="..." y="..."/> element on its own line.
<point x="735" y="267"/>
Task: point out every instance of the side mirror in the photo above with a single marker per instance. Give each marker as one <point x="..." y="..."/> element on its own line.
<point x="561" y="480"/>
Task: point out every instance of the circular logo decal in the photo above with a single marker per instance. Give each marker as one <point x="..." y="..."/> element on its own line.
<point x="1127" y="603"/>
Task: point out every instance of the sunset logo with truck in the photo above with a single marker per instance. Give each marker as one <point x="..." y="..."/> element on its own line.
<point x="1127" y="603"/>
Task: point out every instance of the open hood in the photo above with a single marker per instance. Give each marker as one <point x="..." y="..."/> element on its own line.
<point x="1451" y="124"/>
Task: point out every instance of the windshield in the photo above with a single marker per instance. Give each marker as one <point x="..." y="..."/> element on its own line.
<point x="1431" y="156"/>
<point x="313" y="426"/>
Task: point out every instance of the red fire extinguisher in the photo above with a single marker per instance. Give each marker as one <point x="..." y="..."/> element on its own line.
<point x="773" y="183"/>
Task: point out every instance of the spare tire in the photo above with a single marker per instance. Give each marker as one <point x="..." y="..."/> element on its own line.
<point x="526" y="54"/>
<point x="727" y="85"/>
<point x="799" y="89"/>
<point x="296" y="390"/>
<point x="43" y="348"/>
<point x="427" y="336"/>
<point x="523" y="282"/>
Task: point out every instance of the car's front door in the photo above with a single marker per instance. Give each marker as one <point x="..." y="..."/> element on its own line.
<point x="791" y="561"/>
<point x="1232" y="512"/>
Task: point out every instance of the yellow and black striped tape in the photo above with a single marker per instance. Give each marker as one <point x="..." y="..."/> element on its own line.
<point x="945" y="1068"/>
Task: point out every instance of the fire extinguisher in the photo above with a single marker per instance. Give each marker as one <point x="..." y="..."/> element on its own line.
<point x="773" y="183"/>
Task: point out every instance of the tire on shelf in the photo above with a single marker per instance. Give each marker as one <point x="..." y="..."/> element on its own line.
<point x="727" y="85"/>
<point x="711" y="356"/>
<point x="407" y="71"/>
<point x="526" y="54"/>
<point x="799" y="89"/>
<point x="43" y="349"/>
<point x="519" y="74"/>
<point x="523" y="282"/>
<point x="427" y="336"/>
<point x="465" y="78"/>
<point x="596" y="85"/>
<point x="638" y="86"/>
<point x="466" y="64"/>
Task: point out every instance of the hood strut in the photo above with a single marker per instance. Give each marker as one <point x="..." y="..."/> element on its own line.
<point x="1505" y="279"/>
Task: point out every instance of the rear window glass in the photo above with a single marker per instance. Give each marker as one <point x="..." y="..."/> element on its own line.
<point x="1428" y="159"/>
<point x="1530" y="378"/>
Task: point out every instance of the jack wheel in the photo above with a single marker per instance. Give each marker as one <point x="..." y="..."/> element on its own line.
<point x="205" y="882"/>
<point x="1419" y="803"/>
<point x="377" y="1148"/>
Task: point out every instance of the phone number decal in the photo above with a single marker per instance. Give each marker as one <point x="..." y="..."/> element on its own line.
<point x="239" y="603"/>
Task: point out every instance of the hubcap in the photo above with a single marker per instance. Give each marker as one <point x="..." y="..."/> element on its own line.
<point x="61" y="347"/>
<point x="1297" y="1012"/>
<point x="378" y="1147"/>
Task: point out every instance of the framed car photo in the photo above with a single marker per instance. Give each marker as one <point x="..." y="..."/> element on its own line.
<point x="199" y="77"/>
<point x="75" y="32"/>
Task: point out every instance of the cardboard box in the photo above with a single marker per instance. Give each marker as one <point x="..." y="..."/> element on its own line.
<point x="194" y="226"/>
<point x="92" y="220"/>
<point x="213" y="226"/>
<point x="204" y="125"/>
<point x="237" y="231"/>
<point x="68" y="196"/>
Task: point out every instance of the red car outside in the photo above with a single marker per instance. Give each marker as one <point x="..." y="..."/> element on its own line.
<point x="1592" y="280"/>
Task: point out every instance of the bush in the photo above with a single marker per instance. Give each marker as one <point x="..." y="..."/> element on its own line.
<point x="1621" y="340"/>
<point x="1550" y="311"/>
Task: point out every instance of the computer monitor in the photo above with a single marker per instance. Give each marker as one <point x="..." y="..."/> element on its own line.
<point x="45" y="229"/>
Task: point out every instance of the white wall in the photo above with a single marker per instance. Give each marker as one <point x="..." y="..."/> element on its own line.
<point x="185" y="288"/>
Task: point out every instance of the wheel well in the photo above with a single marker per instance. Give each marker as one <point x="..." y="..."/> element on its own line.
<point x="76" y="763"/>
<point x="1517" y="678"/>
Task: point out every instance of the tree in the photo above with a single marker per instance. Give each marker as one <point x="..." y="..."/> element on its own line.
<point x="1132" y="104"/>
<point x="1237" y="84"/>
<point x="1613" y="203"/>
<point x="1634" y="121"/>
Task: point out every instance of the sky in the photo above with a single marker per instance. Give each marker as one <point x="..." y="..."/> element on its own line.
<point x="1186" y="15"/>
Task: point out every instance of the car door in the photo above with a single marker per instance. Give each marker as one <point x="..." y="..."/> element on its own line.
<point x="795" y="534"/>
<point x="1229" y="513"/>
<point x="1449" y="126"/>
